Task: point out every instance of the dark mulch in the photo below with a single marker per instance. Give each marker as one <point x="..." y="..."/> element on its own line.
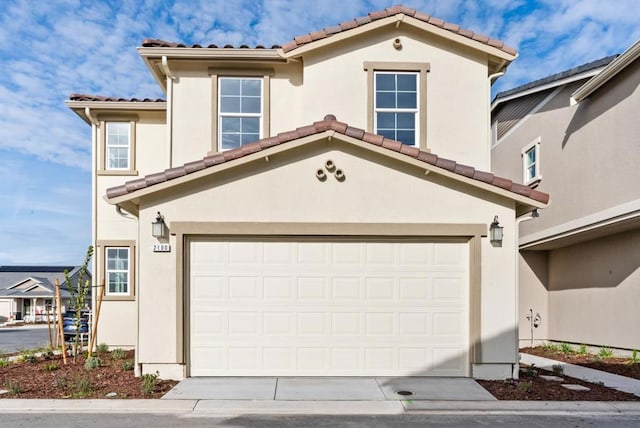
<point x="34" y="380"/>
<point x="621" y="366"/>
<point x="531" y="386"/>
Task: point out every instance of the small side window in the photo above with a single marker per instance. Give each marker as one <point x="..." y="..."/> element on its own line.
<point x="117" y="270"/>
<point x="531" y="162"/>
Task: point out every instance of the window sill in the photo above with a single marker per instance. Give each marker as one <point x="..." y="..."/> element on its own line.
<point x="533" y="183"/>
<point x="116" y="298"/>
<point x="117" y="172"/>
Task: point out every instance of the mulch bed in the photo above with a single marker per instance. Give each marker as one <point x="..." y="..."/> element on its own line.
<point x="531" y="386"/>
<point x="51" y="378"/>
<point x="616" y="365"/>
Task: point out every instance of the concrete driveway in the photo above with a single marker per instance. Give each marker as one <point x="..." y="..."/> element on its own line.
<point x="14" y="339"/>
<point x="328" y="388"/>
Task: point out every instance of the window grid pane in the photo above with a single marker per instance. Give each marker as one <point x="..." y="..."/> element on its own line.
<point x="240" y="115"/>
<point x="117" y="270"/>
<point x="396" y="106"/>
<point x="118" y="144"/>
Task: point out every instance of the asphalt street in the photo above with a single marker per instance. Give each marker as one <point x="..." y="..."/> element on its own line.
<point x="13" y="339"/>
<point x="405" y="420"/>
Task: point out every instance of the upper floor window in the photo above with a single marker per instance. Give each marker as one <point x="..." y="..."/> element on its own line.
<point x="531" y="162"/>
<point x="396" y="106"/>
<point x="118" y="146"/>
<point x="240" y="112"/>
<point x="396" y="101"/>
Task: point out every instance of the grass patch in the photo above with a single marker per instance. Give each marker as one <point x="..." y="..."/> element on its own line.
<point x="102" y="348"/>
<point x="551" y="347"/>
<point x="119" y="354"/>
<point x="27" y="356"/>
<point x="92" y="362"/>
<point x="566" y="348"/>
<point x="13" y="387"/>
<point x="50" y="367"/>
<point x="605" y="352"/>
<point x="582" y="350"/>
<point x="83" y="388"/>
<point x="127" y="365"/>
<point x="635" y="358"/>
<point x="525" y="386"/>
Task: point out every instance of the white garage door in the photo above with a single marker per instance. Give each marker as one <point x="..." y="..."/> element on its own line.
<point x="339" y="308"/>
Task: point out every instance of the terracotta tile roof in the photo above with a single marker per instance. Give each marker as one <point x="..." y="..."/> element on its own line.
<point x="328" y="123"/>
<point x="86" y="97"/>
<point x="390" y="11"/>
<point x="348" y="25"/>
<point x="157" y="43"/>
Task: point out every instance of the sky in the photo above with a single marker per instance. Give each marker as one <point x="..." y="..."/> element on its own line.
<point x="51" y="49"/>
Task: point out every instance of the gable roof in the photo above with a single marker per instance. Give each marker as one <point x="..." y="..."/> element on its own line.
<point x="13" y="276"/>
<point x="611" y="70"/>
<point x="396" y="10"/>
<point x="554" y="80"/>
<point x="328" y="127"/>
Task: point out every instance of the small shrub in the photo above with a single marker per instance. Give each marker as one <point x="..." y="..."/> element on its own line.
<point x="558" y="369"/>
<point x="531" y="371"/>
<point x="50" y="367"/>
<point x="4" y="362"/>
<point x="149" y="383"/>
<point x="27" y="356"/>
<point x="13" y="387"/>
<point x="635" y="358"/>
<point x="605" y="352"/>
<point x="551" y="347"/>
<point x="82" y="387"/>
<point x="119" y="353"/>
<point x="46" y="352"/>
<point x="525" y="386"/>
<point x="582" y="349"/>
<point x="566" y="348"/>
<point x="92" y="362"/>
<point x="102" y="348"/>
<point x="127" y="365"/>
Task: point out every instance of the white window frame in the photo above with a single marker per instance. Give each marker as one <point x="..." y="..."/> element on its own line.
<point x="124" y="125"/>
<point x="222" y="114"/>
<point x="526" y="165"/>
<point x="108" y="271"/>
<point x="415" y="111"/>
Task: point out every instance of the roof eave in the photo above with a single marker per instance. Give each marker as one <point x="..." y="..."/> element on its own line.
<point x="611" y="70"/>
<point x="78" y="107"/>
<point x="524" y="204"/>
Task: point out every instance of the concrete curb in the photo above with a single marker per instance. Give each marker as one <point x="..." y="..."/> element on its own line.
<point x="271" y="407"/>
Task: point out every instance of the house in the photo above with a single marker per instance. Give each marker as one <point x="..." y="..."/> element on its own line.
<point x="317" y="208"/>
<point x="576" y="134"/>
<point x="28" y="292"/>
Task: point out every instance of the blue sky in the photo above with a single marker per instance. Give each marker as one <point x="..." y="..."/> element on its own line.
<point x="51" y="49"/>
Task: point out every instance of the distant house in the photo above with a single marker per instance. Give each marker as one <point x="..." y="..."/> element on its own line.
<point x="577" y="134"/>
<point x="319" y="208"/>
<point x="28" y="292"/>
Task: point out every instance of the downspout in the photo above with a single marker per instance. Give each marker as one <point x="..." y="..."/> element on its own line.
<point x="170" y="79"/>
<point x="491" y="78"/>
<point x="529" y="216"/>
<point x="95" y="124"/>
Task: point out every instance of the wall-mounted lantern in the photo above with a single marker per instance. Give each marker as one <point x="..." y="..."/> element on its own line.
<point x="495" y="232"/>
<point x="158" y="228"/>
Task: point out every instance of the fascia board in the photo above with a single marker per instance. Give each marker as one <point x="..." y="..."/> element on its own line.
<point x="615" y="67"/>
<point x="546" y="86"/>
<point x="78" y="107"/>
<point x="213" y="53"/>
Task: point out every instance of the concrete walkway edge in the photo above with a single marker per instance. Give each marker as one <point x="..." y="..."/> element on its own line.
<point x="243" y="407"/>
<point x="621" y="383"/>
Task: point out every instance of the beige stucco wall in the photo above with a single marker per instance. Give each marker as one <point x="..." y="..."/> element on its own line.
<point x="285" y="189"/>
<point x="594" y="293"/>
<point x="117" y="325"/>
<point x="533" y="296"/>
<point x="332" y="80"/>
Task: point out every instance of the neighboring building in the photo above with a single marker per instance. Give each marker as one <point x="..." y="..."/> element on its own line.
<point x="28" y="293"/>
<point x="577" y="135"/>
<point x="299" y="244"/>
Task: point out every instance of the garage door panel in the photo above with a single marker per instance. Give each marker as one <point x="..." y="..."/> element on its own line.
<point x="328" y="308"/>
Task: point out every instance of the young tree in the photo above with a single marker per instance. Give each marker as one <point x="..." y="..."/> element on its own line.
<point x="79" y="293"/>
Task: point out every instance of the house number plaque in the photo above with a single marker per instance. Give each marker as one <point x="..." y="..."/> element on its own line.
<point x="161" y="248"/>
